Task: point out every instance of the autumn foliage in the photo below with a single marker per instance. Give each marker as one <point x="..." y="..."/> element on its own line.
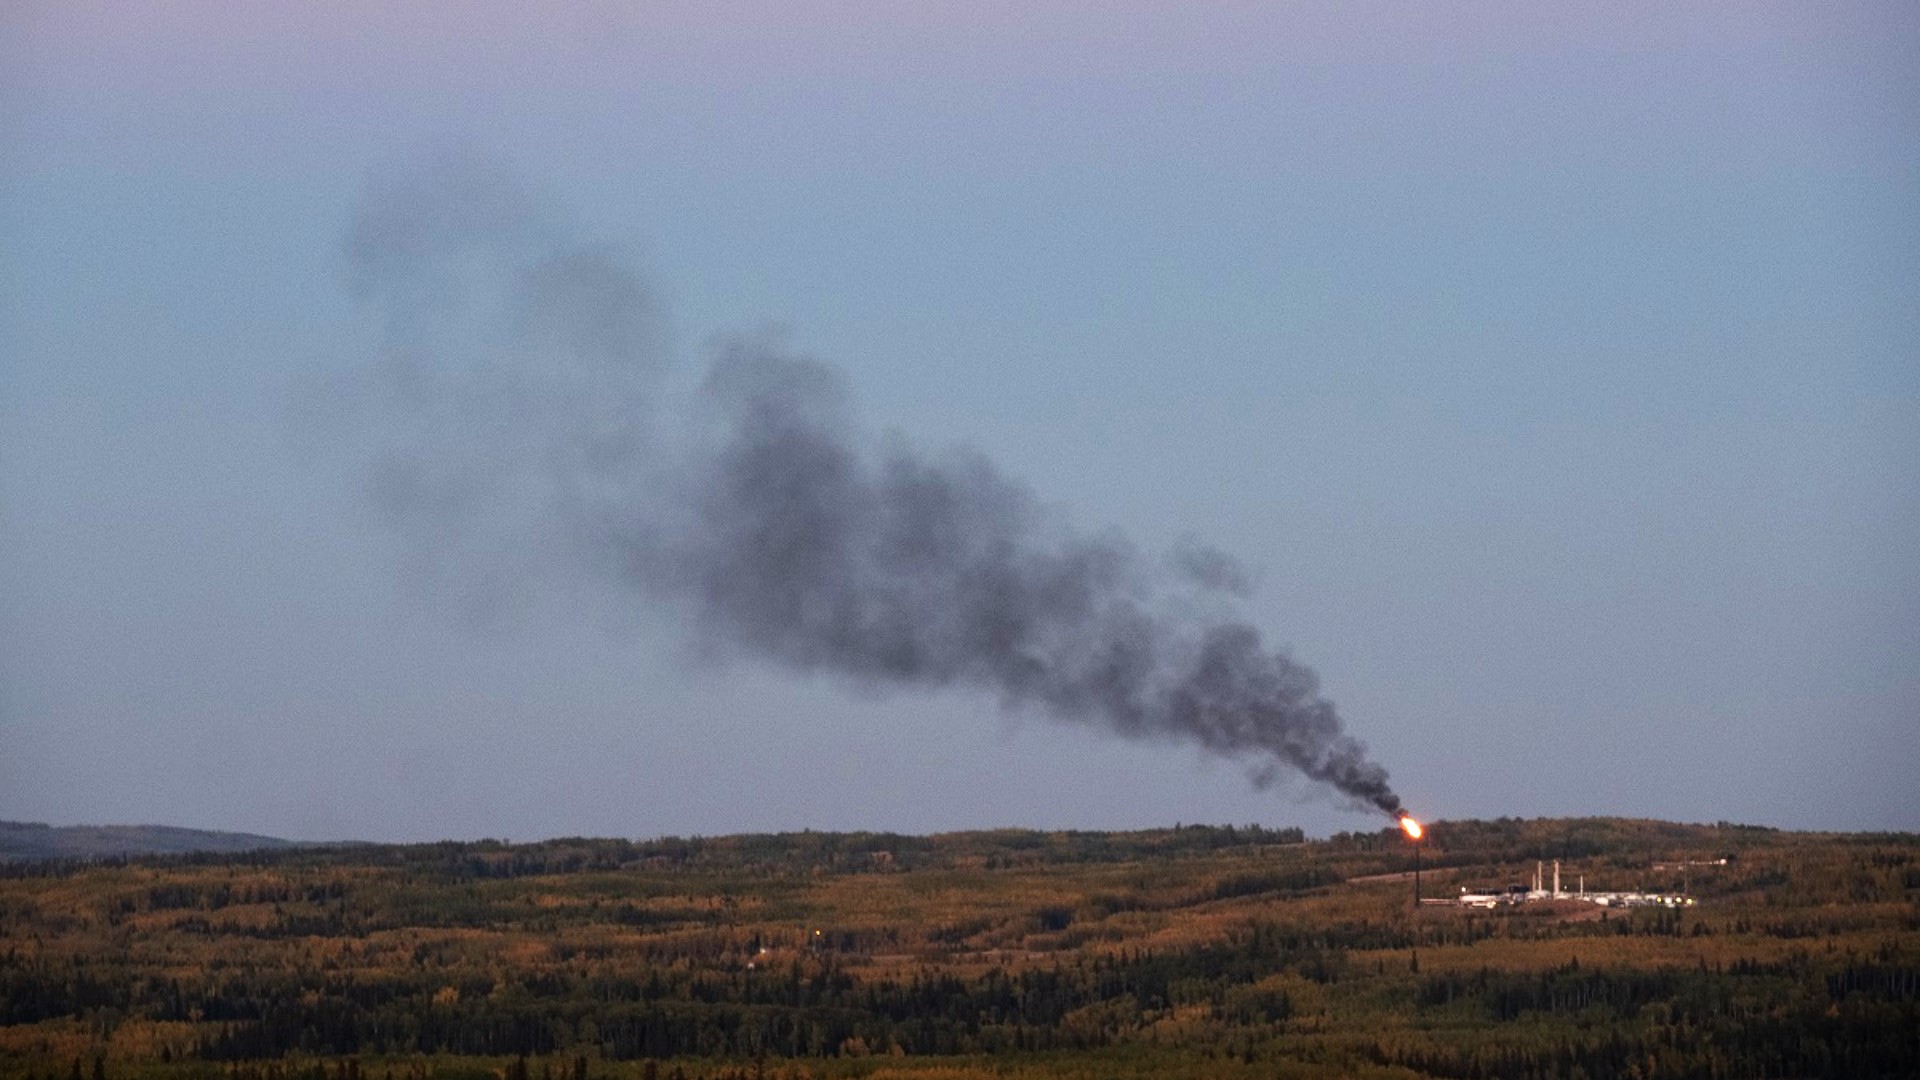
<point x="1196" y="951"/>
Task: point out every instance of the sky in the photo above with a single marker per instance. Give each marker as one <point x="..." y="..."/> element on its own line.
<point x="1550" y="369"/>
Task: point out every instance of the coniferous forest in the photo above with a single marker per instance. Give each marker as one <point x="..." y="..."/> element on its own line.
<point x="1195" y="951"/>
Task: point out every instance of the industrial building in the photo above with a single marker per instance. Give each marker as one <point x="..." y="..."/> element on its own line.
<point x="1540" y="892"/>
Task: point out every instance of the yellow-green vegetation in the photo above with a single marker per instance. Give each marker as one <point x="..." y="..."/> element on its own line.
<point x="1197" y="951"/>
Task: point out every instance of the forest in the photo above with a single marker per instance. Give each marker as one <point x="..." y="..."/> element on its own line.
<point x="1200" y="951"/>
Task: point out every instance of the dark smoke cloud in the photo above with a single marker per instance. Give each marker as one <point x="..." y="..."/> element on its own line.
<point x="519" y="373"/>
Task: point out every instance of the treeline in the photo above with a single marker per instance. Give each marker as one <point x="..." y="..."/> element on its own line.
<point x="1627" y="842"/>
<point x="841" y="852"/>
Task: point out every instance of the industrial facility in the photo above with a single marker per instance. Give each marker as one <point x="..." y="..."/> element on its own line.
<point x="1539" y="892"/>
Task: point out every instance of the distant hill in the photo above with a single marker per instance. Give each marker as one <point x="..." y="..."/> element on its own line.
<point x="31" y="840"/>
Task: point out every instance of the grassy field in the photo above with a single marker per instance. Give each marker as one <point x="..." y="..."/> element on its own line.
<point x="1197" y="951"/>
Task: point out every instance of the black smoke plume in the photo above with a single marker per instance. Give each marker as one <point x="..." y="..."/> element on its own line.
<point x="520" y="375"/>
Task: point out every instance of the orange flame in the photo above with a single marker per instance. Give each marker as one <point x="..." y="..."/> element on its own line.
<point x="1412" y="827"/>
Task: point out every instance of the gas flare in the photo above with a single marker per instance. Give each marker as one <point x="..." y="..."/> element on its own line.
<point x="1411" y="827"/>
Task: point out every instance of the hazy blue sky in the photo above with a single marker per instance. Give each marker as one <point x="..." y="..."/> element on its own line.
<point x="1555" y="369"/>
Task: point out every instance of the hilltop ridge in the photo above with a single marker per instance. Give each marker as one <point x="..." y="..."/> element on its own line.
<point x="34" y="840"/>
